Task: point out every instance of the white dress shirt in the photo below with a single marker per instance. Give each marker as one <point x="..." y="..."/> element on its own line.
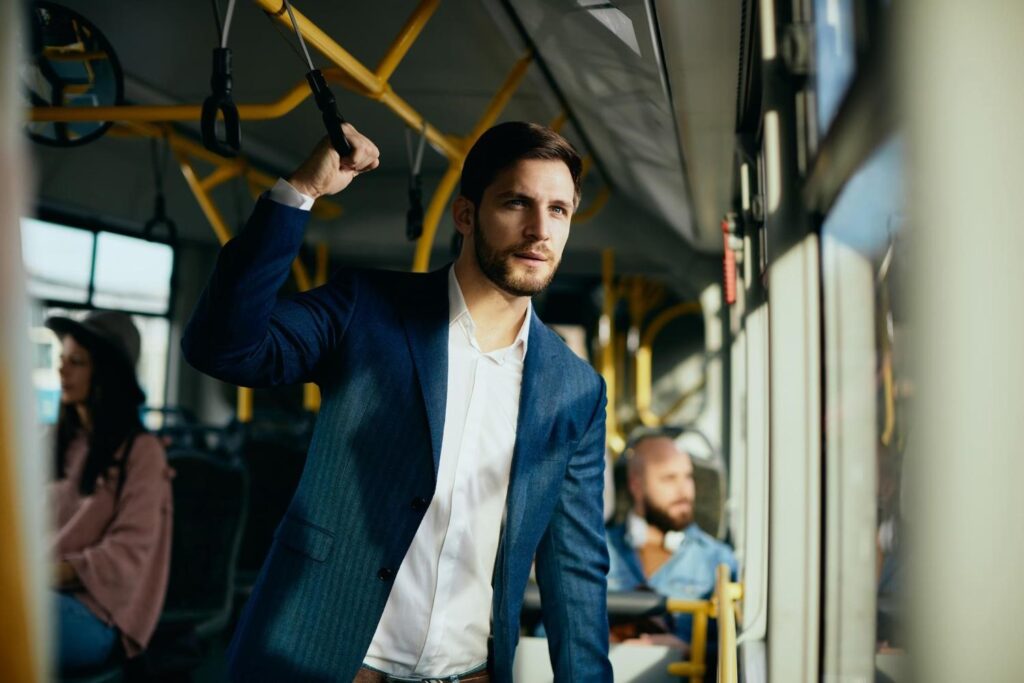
<point x="438" y="615"/>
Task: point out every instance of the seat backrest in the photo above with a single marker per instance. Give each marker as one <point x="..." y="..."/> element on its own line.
<point x="210" y="502"/>
<point x="709" y="508"/>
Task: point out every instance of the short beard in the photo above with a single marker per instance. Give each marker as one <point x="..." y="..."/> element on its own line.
<point x="495" y="264"/>
<point x="661" y="519"/>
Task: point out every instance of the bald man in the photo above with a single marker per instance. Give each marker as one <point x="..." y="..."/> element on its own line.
<point x="660" y="547"/>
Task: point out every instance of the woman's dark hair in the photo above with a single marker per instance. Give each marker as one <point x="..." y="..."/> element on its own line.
<point x="507" y="143"/>
<point x="113" y="405"/>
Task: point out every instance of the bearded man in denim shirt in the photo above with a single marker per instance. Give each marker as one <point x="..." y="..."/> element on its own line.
<point x="660" y="547"/>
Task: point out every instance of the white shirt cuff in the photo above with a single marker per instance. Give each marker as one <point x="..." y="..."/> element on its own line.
<point x="283" y="193"/>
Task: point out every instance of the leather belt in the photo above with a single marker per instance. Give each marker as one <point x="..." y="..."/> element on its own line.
<point x="368" y="675"/>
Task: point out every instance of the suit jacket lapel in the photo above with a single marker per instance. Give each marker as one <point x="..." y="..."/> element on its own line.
<point x="426" y="327"/>
<point x="538" y="406"/>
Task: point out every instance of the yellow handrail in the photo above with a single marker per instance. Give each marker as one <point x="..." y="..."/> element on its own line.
<point x="421" y="259"/>
<point x="310" y="391"/>
<point x="696" y="667"/>
<point x="18" y="651"/>
<point x="594" y="208"/>
<point x="727" y="594"/>
<point x="170" y="112"/>
<point x="371" y="84"/>
<point x="353" y="74"/>
<point x="323" y="209"/>
<point x="201" y="191"/>
<point x="606" y="338"/>
<point x="405" y="38"/>
<point x="644" y="355"/>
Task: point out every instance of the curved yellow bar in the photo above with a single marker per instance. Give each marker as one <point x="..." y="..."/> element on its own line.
<point x="643" y="359"/>
<point x="368" y="82"/>
<point x="594" y="208"/>
<point x="421" y="259"/>
<point x="406" y="37"/>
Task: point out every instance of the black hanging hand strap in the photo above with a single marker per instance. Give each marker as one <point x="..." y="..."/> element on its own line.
<point x="323" y="96"/>
<point x="414" y="215"/>
<point x="220" y="100"/>
<point x="160" y="217"/>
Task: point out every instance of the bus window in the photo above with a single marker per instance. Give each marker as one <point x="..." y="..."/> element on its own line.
<point x="58" y="260"/>
<point x="867" y="391"/>
<point x="132" y="274"/>
<point x="72" y="270"/>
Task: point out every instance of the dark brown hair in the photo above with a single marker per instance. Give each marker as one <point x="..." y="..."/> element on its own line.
<point x="113" y="403"/>
<point x="507" y="143"/>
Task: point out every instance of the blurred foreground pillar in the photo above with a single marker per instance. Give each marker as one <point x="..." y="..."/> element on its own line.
<point x="23" y="568"/>
<point x="962" y="67"/>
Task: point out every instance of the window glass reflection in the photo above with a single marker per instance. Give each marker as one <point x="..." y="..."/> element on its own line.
<point x="58" y="260"/>
<point x="834" y="56"/>
<point x="132" y="274"/>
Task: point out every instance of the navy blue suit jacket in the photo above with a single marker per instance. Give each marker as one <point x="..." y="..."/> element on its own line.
<point x="377" y="345"/>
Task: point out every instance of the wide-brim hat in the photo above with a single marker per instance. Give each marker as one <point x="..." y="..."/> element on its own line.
<point x="110" y="333"/>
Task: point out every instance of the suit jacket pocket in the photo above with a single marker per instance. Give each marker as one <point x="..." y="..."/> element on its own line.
<point x="303" y="537"/>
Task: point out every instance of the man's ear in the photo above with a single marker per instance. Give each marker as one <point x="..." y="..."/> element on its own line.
<point x="463" y="212"/>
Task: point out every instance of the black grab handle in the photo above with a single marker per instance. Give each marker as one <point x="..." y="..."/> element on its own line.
<point x="220" y="101"/>
<point x="329" y="109"/>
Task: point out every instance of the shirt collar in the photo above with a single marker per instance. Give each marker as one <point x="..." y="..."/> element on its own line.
<point x="458" y="312"/>
<point x="636" y="534"/>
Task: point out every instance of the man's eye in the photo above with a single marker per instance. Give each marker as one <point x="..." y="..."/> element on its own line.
<point x="560" y="209"/>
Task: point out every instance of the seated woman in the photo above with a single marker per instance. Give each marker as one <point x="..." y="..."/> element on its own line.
<point x="111" y="496"/>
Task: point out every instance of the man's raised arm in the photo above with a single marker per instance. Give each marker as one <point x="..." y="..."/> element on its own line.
<point x="240" y="331"/>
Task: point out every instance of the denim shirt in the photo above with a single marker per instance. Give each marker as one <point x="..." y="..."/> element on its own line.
<point x="688" y="575"/>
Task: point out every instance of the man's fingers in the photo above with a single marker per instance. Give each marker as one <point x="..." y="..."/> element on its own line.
<point x="365" y="156"/>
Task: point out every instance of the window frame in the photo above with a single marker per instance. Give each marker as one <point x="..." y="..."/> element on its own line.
<point x="95" y="226"/>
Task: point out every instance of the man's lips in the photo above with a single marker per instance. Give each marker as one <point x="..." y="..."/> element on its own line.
<point x="531" y="256"/>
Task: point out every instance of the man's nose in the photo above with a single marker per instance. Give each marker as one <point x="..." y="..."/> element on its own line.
<point x="538" y="226"/>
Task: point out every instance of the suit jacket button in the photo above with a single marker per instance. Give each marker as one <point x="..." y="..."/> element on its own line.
<point x="420" y="503"/>
<point x="386" y="574"/>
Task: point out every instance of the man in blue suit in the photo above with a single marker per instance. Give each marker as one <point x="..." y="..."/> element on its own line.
<point x="458" y="438"/>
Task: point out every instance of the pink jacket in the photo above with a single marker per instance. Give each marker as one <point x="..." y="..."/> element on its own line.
<point x="120" y="547"/>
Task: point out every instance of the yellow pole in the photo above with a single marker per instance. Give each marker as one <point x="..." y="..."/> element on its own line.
<point x="500" y="99"/>
<point x="406" y="37"/>
<point x="244" y="404"/>
<point x="699" y="644"/>
<point x="438" y="203"/>
<point x="323" y="209"/>
<point x="221" y="175"/>
<point x="696" y="667"/>
<point x="170" y="112"/>
<point x="421" y="259"/>
<point x="606" y="331"/>
<point x="209" y="209"/>
<point x="726" y="594"/>
<point x="310" y="391"/>
<point x="372" y="86"/>
<point x="644" y="354"/>
<point x="223" y="232"/>
<point x="16" y="648"/>
<point x="596" y="204"/>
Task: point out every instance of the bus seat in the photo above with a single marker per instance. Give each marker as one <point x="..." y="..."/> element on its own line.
<point x="709" y="508"/>
<point x="210" y="502"/>
<point x="111" y="671"/>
